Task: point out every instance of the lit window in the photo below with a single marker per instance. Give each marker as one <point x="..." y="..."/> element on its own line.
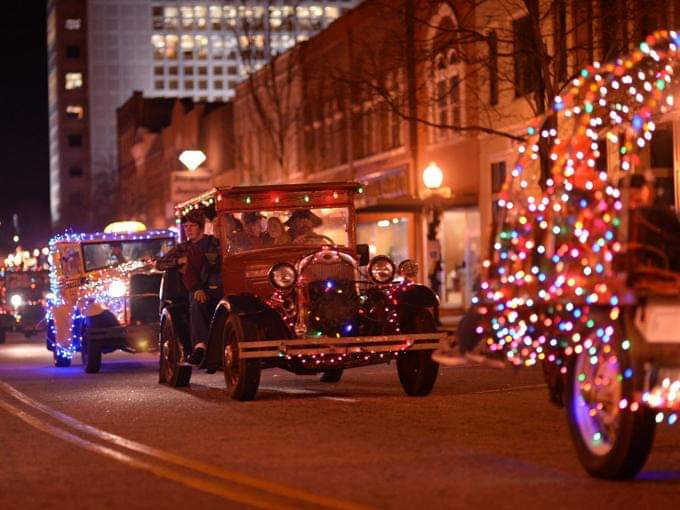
<point x="171" y="42"/>
<point x="202" y="43"/>
<point x="158" y="43"/>
<point x="72" y="24"/>
<point x="75" y="111"/>
<point x="73" y="81"/>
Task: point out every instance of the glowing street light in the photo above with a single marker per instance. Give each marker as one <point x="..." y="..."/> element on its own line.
<point x="433" y="176"/>
<point x="192" y="159"/>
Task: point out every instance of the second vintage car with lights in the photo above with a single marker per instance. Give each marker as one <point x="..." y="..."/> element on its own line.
<point x="106" y="294"/>
<point x="301" y="294"/>
<point x="23" y="300"/>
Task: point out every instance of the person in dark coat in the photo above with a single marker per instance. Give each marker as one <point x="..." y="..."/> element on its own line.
<point x="198" y="259"/>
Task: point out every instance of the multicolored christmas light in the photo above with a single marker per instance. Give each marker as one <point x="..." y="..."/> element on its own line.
<point x="553" y="254"/>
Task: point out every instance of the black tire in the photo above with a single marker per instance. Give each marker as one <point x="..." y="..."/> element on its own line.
<point x="60" y="361"/>
<point x="173" y="368"/>
<point x="91" y="357"/>
<point x="331" y="376"/>
<point x="417" y="370"/>
<point x="242" y="376"/>
<point x="624" y="437"/>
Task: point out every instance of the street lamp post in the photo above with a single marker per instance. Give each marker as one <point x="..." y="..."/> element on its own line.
<point x="433" y="177"/>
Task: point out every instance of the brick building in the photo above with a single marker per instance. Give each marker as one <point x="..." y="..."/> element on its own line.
<point x="152" y="133"/>
<point x="395" y="85"/>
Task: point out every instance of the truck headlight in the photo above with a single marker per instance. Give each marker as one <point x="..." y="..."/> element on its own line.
<point x="408" y="268"/>
<point x="16" y="300"/>
<point x="381" y="269"/>
<point x="117" y="289"/>
<point x="283" y="275"/>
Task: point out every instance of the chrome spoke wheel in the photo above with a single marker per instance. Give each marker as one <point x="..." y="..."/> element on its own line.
<point x="598" y="391"/>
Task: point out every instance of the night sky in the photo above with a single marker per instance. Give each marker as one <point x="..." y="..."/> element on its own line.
<point x="24" y="146"/>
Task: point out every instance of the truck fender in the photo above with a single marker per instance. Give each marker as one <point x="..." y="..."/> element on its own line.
<point x="62" y="317"/>
<point x="418" y="296"/>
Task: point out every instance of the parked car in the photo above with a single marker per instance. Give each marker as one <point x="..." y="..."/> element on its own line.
<point x="23" y="300"/>
<point x="302" y="295"/>
<point x="106" y="294"/>
<point x="584" y="273"/>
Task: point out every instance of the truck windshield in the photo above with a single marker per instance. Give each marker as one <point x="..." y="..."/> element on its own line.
<point x="265" y="229"/>
<point x="113" y="253"/>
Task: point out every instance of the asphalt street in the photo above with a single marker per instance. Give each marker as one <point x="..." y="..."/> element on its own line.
<point x="485" y="438"/>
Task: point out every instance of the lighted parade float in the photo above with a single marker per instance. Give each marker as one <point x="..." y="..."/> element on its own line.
<point x="307" y="301"/>
<point x="24" y="292"/>
<point x="105" y="292"/>
<point x="584" y="276"/>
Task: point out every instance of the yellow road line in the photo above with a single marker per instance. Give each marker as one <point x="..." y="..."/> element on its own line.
<point x="217" y="472"/>
<point x="215" y="489"/>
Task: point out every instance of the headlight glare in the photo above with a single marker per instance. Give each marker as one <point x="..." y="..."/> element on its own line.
<point x="381" y="269"/>
<point x="117" y="289"/>
<point x="283" y="275"/>
<point x="16" y="300"/>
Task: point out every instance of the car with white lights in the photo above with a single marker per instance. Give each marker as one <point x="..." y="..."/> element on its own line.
<point x="300" y="294"/>
<point x="105" y="294"/>
<point x="23" y="300"/>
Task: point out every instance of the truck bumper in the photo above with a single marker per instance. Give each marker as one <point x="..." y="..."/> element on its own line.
<point x="343" y="345"/>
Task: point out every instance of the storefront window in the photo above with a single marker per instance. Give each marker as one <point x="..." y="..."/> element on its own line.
<point x="460" y="238"/>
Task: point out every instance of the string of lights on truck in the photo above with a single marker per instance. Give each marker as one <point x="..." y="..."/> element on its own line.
<point x="578" y="213"/>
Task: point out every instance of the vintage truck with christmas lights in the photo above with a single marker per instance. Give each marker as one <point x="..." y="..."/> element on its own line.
<point x="301" y="294"/>
<point x="106" y="294"/>
<point x="23" y="301"/>
<point x="584" y="273"/>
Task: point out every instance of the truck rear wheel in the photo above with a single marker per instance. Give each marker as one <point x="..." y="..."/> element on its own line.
<point x="241" y="375"/>
<point x="417" y="370"/>
<point x="612" y="441"/>
<point x="91" y="357"/>
<point x="173" y="368"/>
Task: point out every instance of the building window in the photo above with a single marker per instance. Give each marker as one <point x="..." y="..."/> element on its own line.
<point x="203" y="84"/>
<point x="173" y="85"/>
<point x="72" y="24"/>
<point x="218" y="84"/>
<point x="75" y="111"/>
<point x="189" y="85"/>
<point x="447" y="92"/>
<point x="72" y="51"/>
<point x="527" y="63"/>
<point x="158" y="84"/>
<point x="171" y="44"/>
<point x="217" y="71"/>
<point x="75" y="140"/>
<point x="158" y="70"/>
<point x="493" y="68"/>
<point x="203" y="71"/>
<point x="157" y="11"/>
<point x="75" y="171"/>
<point x="158" y="43"/>
<point x="172" y="70"/>
<point x="73" y="81"/>
<point x="188" y="71"/>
